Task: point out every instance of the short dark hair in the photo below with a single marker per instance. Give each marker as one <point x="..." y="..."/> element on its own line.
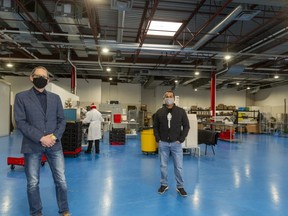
<point x="170" y="91"/>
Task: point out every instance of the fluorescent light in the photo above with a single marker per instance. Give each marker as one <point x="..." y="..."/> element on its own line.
<point x="9" y="65"/>
<point x="162" y="28"/>
<point x="105" y="50"/>
<point x="227" y="57"/>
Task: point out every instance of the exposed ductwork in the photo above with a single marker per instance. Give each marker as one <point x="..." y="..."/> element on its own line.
<point x="218" y="28"/>
<point x="8" y="16"/>
<point x="67" y="15"/>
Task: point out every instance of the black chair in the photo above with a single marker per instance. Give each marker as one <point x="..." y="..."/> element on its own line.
<point x="207" y="137"/>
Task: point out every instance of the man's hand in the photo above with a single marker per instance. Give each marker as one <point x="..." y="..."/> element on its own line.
<point x="48" y="140"/>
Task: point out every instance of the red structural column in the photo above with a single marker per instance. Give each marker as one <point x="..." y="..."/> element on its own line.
<point x="213" y="94"/>
<point x="73" y="80"/>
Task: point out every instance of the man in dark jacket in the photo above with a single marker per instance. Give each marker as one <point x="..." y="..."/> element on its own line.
<point x="171" y="126"/>
<point x="39" y="116"/>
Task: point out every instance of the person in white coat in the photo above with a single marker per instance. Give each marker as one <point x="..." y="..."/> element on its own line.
<point x="94" y="118"/>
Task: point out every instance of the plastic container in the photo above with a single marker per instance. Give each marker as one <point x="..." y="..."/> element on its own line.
<point x="148" y="142"/>
<point x="117" y="118"/>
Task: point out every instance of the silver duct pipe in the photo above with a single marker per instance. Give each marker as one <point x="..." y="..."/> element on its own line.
<point x="218" y="28"/>
<point x="17" y="44"/>
<point x="121" y="19"/>
<point x="279" y="34"/>
<point x="48" y="33"/>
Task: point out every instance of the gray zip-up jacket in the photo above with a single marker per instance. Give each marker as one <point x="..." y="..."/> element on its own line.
<point x="179" y="124"/>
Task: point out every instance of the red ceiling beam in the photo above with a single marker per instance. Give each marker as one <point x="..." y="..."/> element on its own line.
<point x="186" y="22"/>
<point x="94" y="23"/>
<point x="36" y="24"/>
<point x="200" y="30"/>
<point x="145" y="30"/>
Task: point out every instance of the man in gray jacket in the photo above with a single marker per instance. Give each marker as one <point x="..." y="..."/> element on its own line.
<point x="171" y="126"/>
<point x="39" y="116"/>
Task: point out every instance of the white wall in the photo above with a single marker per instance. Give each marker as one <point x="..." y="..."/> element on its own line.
<point x="272" y="99"/>
<point x="125" y="93"/>
<point x="5" y="90"/>
<point x="63" y="93"/>
<point x="188" y="97"/>
<point x="18" y="84"/>
<point x="88" y="90"/>
<point x="132" y="94"/>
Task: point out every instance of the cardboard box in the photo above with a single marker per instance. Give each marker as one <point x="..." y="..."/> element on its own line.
<point x="252" y="128"/>
<point x="242" y="129"/>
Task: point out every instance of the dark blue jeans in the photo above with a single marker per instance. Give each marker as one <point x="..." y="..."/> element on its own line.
<point x="32" y="171"/>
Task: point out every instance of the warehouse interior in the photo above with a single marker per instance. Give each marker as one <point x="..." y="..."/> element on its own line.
<point x="226" y="61"/>
<point x="62" y="35"/>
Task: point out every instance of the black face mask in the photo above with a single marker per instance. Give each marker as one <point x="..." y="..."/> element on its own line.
<point x="40" y="82"/>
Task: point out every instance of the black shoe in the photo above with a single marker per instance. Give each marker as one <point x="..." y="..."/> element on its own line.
<point x="181" y="191"/>
<point x="87" y="152"/>
<point x="162" y="189"/>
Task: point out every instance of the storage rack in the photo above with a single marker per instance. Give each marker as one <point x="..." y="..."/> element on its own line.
<point x="72" y="138"/>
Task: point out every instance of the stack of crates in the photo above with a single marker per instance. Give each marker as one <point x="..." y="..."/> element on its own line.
<point x="72" y="137"/>
<point x="117" y="136"/>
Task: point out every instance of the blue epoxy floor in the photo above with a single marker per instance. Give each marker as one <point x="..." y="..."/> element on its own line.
<point x="249" y="178"/>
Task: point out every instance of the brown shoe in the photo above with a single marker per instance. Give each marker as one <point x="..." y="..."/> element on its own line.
<point x="66" y="214"/>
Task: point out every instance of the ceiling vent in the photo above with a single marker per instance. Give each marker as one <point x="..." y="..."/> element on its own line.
<point x="187" y="59"/>
<point x="247" y="15"/>
<point x="4" y="50"/>
<point x="121" y="5"/>
<point x="6" y="5"/>
<point x="118" y="56"/>
<point x="236" y="70"/>
<point x="68" y="10"/>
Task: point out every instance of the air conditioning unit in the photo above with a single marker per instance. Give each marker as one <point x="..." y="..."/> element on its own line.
<point x="6" y="5"/>
<point x="121" y="5"/>
<point x="118" y="56"/>
<point x="187" y="59"/>
<point x="247" y="15"/>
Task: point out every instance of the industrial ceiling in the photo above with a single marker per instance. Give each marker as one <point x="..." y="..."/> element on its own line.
<point x="70" y="35"/>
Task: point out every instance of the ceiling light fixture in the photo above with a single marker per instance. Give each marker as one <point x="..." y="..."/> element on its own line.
<point x="276" y="76"/>
<point x="195" y="89"/>
<point x="9" y="65"/>
<point x="237" y="83"/>
<point x="105" y="50"/>
<point x="163" y="28"/>
<point x="197" y="73"/>
<point x="110" y="78"/>
<point x="227" y="57"/>
<point x="108" y="69"/>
